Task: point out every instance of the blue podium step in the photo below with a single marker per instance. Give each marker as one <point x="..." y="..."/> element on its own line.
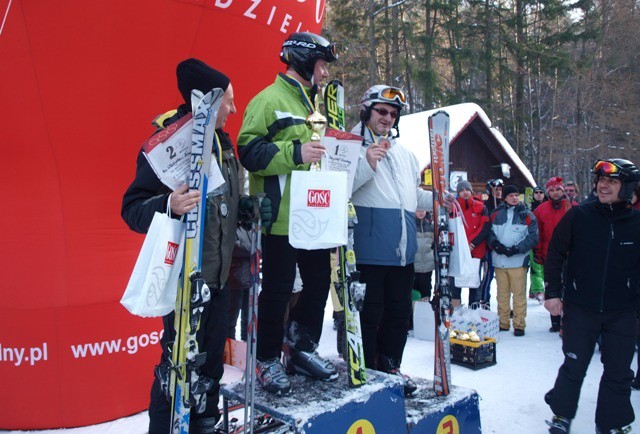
<point x="379" y="407"/>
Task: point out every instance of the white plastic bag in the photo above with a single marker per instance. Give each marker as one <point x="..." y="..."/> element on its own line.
<point x="424" y="323"/>
<point x="460" y="263"/>
<point x="318" y="209"/>
<point x="153" y="285"/>
<point x="470" y="277"/>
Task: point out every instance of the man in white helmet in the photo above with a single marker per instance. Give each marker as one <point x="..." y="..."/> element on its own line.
<point x="386" y="195"/>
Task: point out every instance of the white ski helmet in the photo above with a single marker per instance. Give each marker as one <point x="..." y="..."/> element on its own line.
<point x="381" y="93"/>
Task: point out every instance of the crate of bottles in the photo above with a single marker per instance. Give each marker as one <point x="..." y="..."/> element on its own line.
<point x="474" y="355"/>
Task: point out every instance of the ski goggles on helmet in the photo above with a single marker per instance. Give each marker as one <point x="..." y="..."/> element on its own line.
<point x="607" y="168"/>
<point x="391" y="95"/>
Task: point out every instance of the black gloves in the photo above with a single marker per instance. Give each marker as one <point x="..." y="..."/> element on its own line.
<point x="501" y="249"/>
<point x="246" y="214"/>
<point x="513" y="250"/>
<point x="265" y="212"/>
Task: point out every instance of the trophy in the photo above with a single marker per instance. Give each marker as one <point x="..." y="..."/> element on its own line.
<point x="317" y="123"/>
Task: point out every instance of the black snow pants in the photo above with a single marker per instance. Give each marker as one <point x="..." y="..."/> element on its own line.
<point x="581" y="329"/>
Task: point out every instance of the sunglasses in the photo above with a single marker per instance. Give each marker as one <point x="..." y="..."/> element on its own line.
<point x="383" y="112"/>
<point x="390" y="94"/>
<point x="606" y="168"/>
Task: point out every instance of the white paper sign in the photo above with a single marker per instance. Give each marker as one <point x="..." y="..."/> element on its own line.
<point x="342" y="153"/>
<point x="168" y="153"/>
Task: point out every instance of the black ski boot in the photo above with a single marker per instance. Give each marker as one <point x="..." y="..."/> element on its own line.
<point x="301" y="357"/>
<point x="205" y="425"/>
<point x="559" y="425"/>
<point x="272" y="377"/>
<point x="388" y="365"/>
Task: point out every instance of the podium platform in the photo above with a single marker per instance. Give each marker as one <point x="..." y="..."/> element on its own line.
<point x="318" y="407"/>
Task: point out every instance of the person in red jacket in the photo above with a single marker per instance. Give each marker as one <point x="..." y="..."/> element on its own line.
<point x="548" y="215"/>
<point x="477" y="230"/>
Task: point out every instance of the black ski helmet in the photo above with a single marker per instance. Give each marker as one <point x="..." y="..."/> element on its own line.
<point x="619" y="168"/>
<point x="301" y="50"/>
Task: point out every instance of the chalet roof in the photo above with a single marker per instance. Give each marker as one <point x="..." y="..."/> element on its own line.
<point x="414" y="133"/>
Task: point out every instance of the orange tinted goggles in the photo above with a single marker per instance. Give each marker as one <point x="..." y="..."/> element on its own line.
<point x="393" y="94"/>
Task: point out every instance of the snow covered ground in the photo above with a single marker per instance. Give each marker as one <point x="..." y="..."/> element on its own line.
<point x="511" y="391"/>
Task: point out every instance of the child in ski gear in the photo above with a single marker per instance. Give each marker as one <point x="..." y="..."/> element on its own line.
<point x="145" y="196"/>
<point x="548" y="215"/>
<point x="477" y="231"/>
<point x="273" y="142"/>
<point x="386" y="195"/>
<point x="592" y="277"/>
<point x="514" y="232"/>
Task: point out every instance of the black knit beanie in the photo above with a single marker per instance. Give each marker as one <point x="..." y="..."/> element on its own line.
<point x="508" y="189"/>
<point x="195" y="74"/>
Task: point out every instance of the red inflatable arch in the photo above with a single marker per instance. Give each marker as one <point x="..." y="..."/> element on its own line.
<point x="80" y="82"/>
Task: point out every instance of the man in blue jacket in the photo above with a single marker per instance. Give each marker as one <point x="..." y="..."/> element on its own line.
<point x="596" y="246"/>
<point x="514" y="232"/>
<point x="386" y="196"/>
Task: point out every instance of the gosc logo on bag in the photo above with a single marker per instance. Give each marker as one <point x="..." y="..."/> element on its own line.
<point x="318" y="198"/>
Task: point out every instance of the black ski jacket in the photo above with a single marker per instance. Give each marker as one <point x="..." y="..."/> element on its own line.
<point x="600" y="247"/>
<point x="147" y="195"/>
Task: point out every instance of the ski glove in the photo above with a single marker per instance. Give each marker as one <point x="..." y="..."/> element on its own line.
<point x="513" y="250"/>
<point x="265" y="212"/>
<point x="500" y="248"/>
<point x="246" y="214"/>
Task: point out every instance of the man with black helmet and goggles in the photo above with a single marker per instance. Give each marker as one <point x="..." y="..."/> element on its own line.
<point x="274" y="141"/>
<point x="592" y="276"/>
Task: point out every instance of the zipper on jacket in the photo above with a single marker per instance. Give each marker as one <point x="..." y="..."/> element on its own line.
<point x="606" y="266"/>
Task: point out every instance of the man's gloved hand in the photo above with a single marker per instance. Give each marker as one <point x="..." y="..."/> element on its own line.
<point x="500" y="249"/>
<point x="510" y="251"/>
<point x="246" y="212"/>
<point x="265" y="212"/>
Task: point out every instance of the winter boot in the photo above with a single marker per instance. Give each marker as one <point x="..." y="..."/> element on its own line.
<point x="388" y="365"/>
<point x="272" y="377"/>
<point x="301" y="357"/>
<point x="559" y="425"/>
<point x="205" y="425"/>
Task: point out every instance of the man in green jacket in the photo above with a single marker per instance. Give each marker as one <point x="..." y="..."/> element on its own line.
<point x="274" y="141"/>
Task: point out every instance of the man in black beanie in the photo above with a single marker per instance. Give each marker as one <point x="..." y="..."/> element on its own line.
<point x="147" y="195"/>
<point x="514" y="232"/>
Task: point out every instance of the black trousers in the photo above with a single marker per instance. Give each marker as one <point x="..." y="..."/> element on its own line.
<point x="278" y="275"/>
<point x="387" y="310"/>
<point x="581" y="329"/>
<point x="211" y="339"/>
<point x="422" y="283"/>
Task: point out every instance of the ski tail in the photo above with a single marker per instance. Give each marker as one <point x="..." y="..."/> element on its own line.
<point x="185" y="384"/>
<point x="353" y="295"/>
<point x="439" y="139"/>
